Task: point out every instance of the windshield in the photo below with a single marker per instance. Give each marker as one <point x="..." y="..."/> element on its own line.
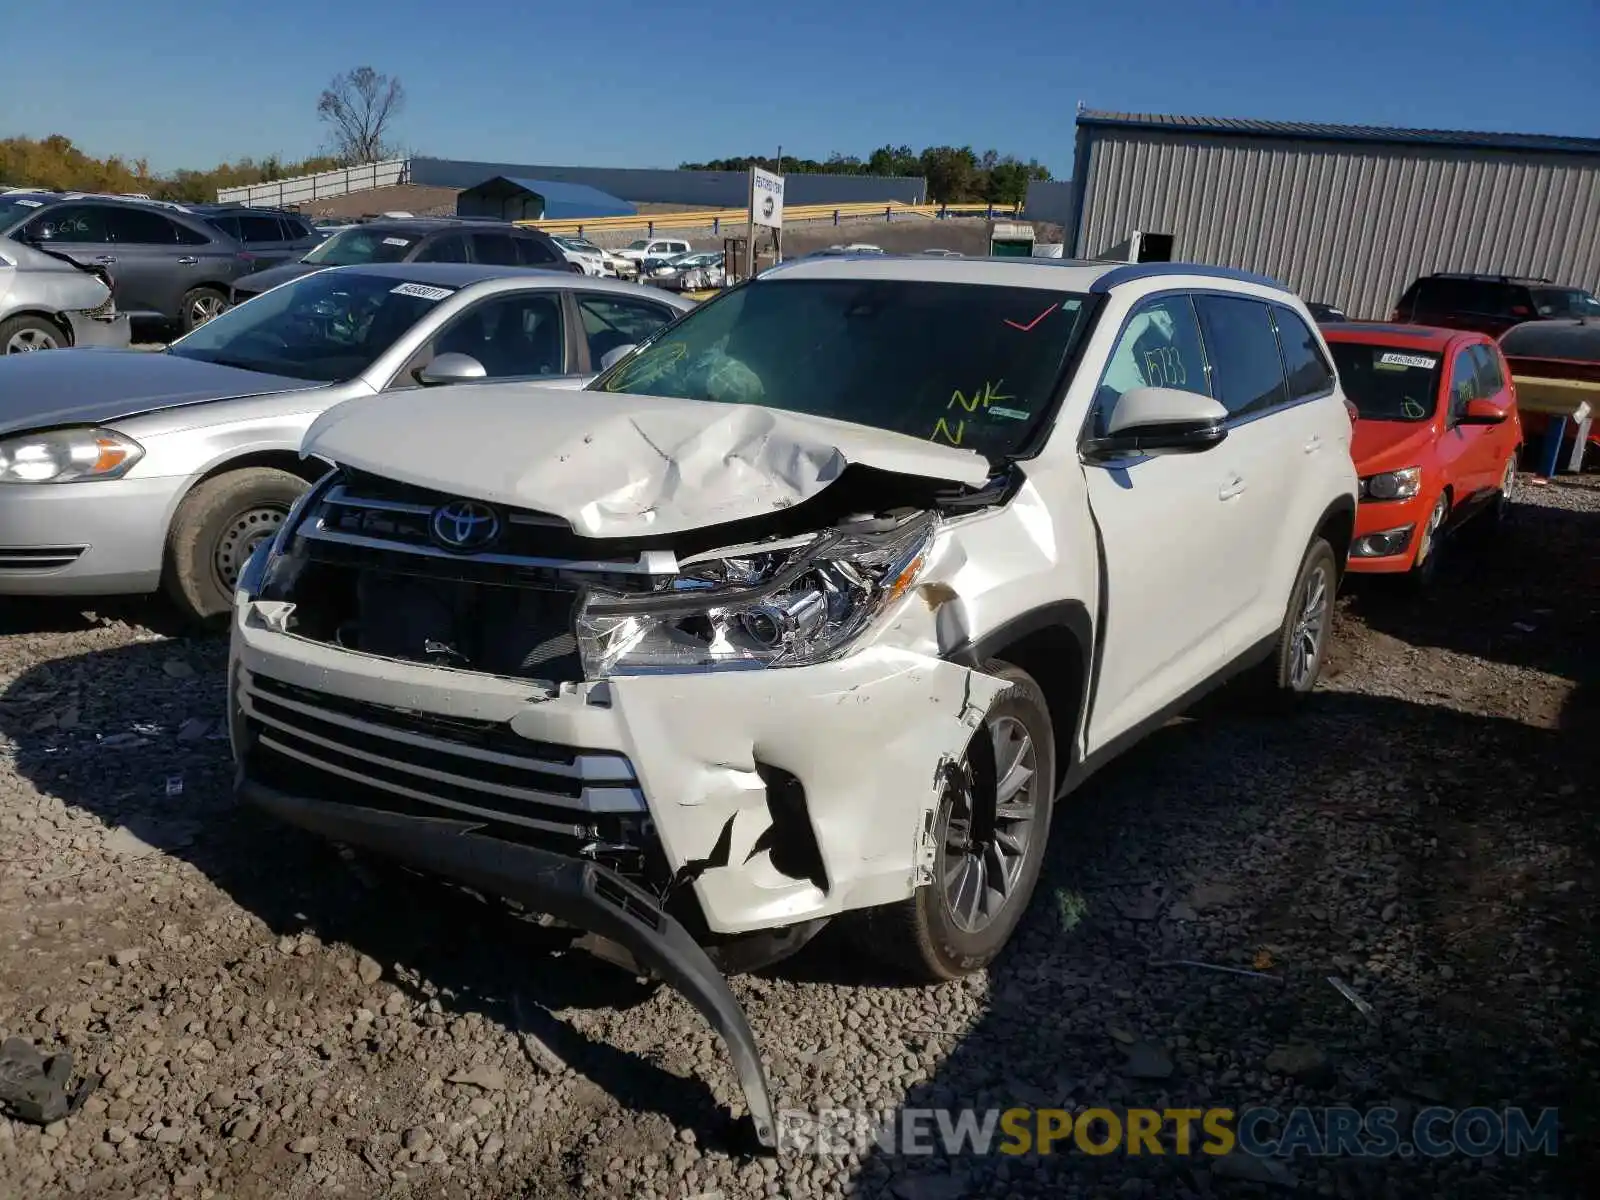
<point x="640" y="244"/>
<point x="1565" y="302"/>
<point x="1386" y="384"/>
<point x="326" y="327"/>
<point x="14" y="211"/>
<point x="361" y="244"/>
<point x="962" y="364"/>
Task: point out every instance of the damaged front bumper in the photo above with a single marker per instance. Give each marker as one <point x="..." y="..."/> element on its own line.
<point x="99" y="330"/>
<point x="578" y="893"/>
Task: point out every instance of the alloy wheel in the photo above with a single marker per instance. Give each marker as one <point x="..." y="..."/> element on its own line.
<point x="1507" y="494"/>
<point x="204" y="308"/>
<point x="1310" y="628"/>
<point x="990" y="825"/>
<point x="26" y="341"/>
<point x="1430" y="531"/>
<point x="239" y="541"/>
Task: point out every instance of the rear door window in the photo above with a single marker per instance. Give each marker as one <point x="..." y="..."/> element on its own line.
<point x="228" y="225"/>
<point x="132" y="226"/>
<point x="451" y="247"/>
<point x="1242" y="347"/>
<point x="533" y="252"/>
<point x="496" y="249"/>
<point x="257" y="229"/>
<point x="1307" y="371"/>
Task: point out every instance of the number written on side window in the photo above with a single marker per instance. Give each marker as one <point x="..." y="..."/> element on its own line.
<point x="1159" y="347"/>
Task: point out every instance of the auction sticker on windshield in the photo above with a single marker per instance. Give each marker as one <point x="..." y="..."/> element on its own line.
<point x="421" y="291"/>
<point x="1408" y="360"/>
<point x="397" y="241"/>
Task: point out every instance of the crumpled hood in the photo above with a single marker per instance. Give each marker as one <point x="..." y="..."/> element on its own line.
<point x="1380" y="445"/>
<point x="615" y="465"/>
<point x="66" y="387"/>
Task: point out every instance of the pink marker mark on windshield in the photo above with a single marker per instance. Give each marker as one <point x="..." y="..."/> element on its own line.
<point x="1028" y="328"/>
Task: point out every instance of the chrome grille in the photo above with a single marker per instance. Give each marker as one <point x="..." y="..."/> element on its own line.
<point x="453" y="767"/>
<point x="380" y="519"/>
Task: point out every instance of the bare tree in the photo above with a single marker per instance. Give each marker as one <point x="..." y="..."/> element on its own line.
<point x="360" y="105"/>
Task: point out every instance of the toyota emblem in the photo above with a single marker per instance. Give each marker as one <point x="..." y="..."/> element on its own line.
<point x="465" y="525"/>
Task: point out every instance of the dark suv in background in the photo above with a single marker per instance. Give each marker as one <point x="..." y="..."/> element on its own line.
<point x="1490" y="304"/>
<point x="418" y="239"/>
<point x="166" y="262"/>
<point x="274" y="236"/>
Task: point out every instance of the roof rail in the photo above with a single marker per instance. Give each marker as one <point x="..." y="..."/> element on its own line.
<point x="1488" y="278"/>
<point x="1130" y="272"/>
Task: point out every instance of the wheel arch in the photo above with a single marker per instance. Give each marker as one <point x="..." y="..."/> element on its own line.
<point x="1337" y="527"/>
<point x="1054" y="643"/>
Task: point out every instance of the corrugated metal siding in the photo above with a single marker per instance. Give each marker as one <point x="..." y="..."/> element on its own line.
<point x="1351" y="225"/>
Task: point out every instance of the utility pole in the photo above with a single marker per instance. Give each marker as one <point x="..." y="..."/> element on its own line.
<point x="778" y="170"/>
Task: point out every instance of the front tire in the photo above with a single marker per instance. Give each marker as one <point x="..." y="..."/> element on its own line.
<point x="216" y="528"/>
<point x="991" y="828"/>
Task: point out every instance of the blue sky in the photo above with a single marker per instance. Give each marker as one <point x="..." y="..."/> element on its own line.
<point x="187" y="85"/>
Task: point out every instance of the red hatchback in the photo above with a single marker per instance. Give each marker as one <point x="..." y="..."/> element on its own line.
<point x="1436" y="437"/>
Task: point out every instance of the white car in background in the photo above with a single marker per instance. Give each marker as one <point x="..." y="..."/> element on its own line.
<point x="622" y="268"/>
<point x="640" y="249"/>
<point x="585" y="253"/>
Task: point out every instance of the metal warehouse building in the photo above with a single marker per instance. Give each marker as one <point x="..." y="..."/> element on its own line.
<point x="1347" y="215"/>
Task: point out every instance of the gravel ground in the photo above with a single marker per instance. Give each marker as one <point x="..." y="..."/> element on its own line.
<point x="272" y="1020"/>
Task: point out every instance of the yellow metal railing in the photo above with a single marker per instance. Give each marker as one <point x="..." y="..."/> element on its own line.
<point x="737" y="217"/>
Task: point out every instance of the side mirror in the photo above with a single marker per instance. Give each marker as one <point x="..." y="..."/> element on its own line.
<point x="450" y="368"/>
<point x="1158" y="420"/>
<point x="615" y="355"/>
<point x="1482" y="412"/>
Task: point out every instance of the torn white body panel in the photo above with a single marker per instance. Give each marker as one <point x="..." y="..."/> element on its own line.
<point x="866" y="737"/>
<point x="616" y="465"/>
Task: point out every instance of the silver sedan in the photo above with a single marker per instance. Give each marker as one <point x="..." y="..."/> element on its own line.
<point x="127" y="472"/>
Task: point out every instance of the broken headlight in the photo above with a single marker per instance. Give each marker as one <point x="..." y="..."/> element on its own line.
<point x="777" y="608"/>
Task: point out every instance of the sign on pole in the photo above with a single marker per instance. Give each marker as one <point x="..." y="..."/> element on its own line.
<point x="766" y="210"/>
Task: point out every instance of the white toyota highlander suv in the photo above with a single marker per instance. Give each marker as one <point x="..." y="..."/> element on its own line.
<point x="817" y="603"/>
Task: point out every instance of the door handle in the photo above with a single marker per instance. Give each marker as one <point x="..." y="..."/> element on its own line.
<point x="188" y="260"/>
<point x="105" y="260"/>
<point x="1232" y="488"/>
<point x="1313" y="445"/>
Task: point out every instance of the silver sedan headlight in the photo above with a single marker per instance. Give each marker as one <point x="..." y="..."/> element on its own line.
<point x="780" y="608"/>
<point x="67" y="456"/>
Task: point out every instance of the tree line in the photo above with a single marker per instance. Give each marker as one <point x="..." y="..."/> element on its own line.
<point x="55" y="164"/>
<point x="955" y="174"/>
